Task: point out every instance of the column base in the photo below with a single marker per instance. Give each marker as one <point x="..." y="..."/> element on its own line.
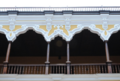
<point x="68" y="62"/>
<point x="47" y="62"/>
<point x="68" y="66"/>
<point x="109" y="66"/>
<point x="47" y="67"/>
<point x="5" y="65"/>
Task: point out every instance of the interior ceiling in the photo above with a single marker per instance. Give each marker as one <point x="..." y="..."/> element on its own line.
<point x="85" y="43"/>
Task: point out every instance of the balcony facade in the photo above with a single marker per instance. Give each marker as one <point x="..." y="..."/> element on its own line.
<point x="60" y="29"/>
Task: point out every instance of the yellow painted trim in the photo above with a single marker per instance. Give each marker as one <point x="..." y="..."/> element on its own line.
<point x="64" y="30"/>
<point x="43" y="27"/>
<point x="105" y="33"/>
<point x="99" y="27"/>
<point x="17" y="27"/>
<point x="10" y="34"/>
<point x="52" y="30"/>
<point x="110" y="27"/>
<point x="72" y="27"/>
<point x="6" y="27"/>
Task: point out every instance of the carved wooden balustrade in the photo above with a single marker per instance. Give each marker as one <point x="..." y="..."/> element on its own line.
<point x="59" y="68"/>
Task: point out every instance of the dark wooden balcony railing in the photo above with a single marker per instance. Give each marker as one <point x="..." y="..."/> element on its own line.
<point x="115" y="68"/>
<point x="59" y="68"/>
<point x="1" y="68"/>
<point x="88" y="68"/>
<point x="26" y="69"/>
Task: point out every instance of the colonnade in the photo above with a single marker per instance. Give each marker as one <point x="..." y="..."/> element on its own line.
<point x="47" y="63"/>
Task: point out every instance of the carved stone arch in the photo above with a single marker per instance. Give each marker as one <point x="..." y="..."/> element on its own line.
<point x="93" y="28"/>
<point x="59" y="30"/>
<point x="65" y="35"/>
<point x="35" y="28"/>
<point x="12" y="35"/>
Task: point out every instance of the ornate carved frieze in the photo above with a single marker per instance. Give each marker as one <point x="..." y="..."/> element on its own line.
<point x="65" y="26"/>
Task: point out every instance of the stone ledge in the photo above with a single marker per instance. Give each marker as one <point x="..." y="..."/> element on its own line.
<point x="60" y="77"/>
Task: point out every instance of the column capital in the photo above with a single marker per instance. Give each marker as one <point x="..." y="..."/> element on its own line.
<point x="10" y="41"/>
<point x="68" y="41"/>
<point x="105" y="41"/>
<point x="48" y="42"/>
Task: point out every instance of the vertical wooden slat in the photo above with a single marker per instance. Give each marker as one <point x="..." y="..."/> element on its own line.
<point x="43" y="70"/>
<point x="91" y="69"/>
<point x="79" y="69"/>
<point x="119" y="68"/>
<point x="85" y="69"/>
<point x="34" y="69"/>
<point x="53" y="69"/>
<point x="26" y="70"/>
<point x="59" y="69"/>
<point x="29" y="70"/>
<point x="99" y="69"/>
<point x="14" y="69"/>
<point x="20" y="70"/>
<point x="62" y="69"/>
<point x="116" y="68"/>
<point x="74" y="69"/>
<point x="17" y="69"/>
<point x="40" y="69"/>
<point x="82" y="69"/>
<point x="11" y="69"/>
<point x="50" y="69"/>
<point x="105" y="69"/>
<point x="102" y="69"/>
<point x="88" y="69"/>
<point x="96" y="69"/>
<point x="8" y="69"/>
<point x="70" y="69"/>
<point x="56" y="69"/>
<point x="23" y="70"/>
<point x="37" y="69"/>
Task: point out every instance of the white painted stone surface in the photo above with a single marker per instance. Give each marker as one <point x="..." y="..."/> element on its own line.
<point x="59" y="77"/>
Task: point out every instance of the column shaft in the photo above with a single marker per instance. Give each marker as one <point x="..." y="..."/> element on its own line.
<point x="68" y="58"/>
<point x="108" y="62"/>
<point x="47" y="59"/>
<point x="7" y="58"/>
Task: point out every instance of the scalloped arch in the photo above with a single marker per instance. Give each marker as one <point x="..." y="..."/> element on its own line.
<point x="59" y="32"/>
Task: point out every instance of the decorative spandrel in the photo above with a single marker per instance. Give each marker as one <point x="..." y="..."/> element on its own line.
<point x="11" y="34"/>
<point x="106" y="32"/>
<point x="52" y="31"/>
